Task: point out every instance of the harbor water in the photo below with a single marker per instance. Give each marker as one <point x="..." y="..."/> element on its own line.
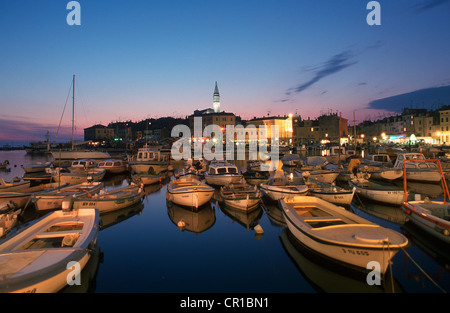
<point x="142" y="250"/>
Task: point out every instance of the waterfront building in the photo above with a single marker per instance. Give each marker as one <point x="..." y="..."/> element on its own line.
<point x="327" y="128"/>
<point x="98" y="133"/>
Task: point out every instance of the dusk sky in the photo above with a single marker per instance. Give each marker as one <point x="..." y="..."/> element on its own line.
<point x="148" y="59"/>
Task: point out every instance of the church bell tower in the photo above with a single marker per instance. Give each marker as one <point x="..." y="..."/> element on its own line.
<point x="216" y="100"/>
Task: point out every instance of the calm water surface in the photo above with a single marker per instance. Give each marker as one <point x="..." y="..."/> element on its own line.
<point x="143" y="250"/>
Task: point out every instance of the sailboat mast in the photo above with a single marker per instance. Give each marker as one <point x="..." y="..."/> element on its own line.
<point x="73" y="109"/>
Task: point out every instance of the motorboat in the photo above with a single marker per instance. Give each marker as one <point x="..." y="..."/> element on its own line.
<point x="83" y="165"/>
<point x="42" y="257"/>
<point x="329" y="192"/>
<point x="339" y="235"/>
<point x="37" y="167"/>
<point x="113" y="166"/>
<point x="222" y="173"/>
<point x="53" y="199"/>
<point x="107" y="201"/>
<point x="417" y="167"/>
<point x="378" y="191"/>
<point x="278" y="186"/>
<point x="432" y="216"/>
<point x="189" y="192"/>
<point x="379" y="159"/>
<point x="13" y="185"/>
<point x="148" y="159"/>
<point x="240" y="196"/>
<point x="188" y="173"/>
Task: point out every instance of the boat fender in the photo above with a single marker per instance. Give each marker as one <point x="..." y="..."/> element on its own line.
<point x="258" y="229"/>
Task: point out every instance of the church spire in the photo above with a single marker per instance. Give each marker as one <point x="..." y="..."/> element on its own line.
<point x="216" y="99"/>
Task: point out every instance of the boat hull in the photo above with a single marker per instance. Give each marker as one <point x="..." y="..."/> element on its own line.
<point x="145" y="167"/>
<point x="193" y="199"/>
<point x="338" y="197"/>
<point x="277" y="193"/>
<point x="388" y="195"/>
<point x="433" y="225"/>
<point x="75" y="155"/>
<point x="370" y="246"/>
<point x="222" y="180"/>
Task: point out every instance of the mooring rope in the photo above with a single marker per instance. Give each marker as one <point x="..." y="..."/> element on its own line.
<point x="428" y="276"/>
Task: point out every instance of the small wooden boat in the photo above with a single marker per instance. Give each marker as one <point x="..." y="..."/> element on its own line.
<point x="256" y="177"/>
<point x="189" y="192"/>
<point x="383" y="173"/>
<point x="13" y="185"/>
<point x="53" y="199"/>
<point x="240" y="196"/>
<point x="378" y="191"/>
<point x="40" y="258"/>
<point x="326" y="176"/>
<point x="222" y="173"/>
<point x="9" y="213"/>
<point x="21" y="197"/>
<point x="107" y="201"/>
<point x="431" y="216"/>
<point x="37" y="167"/>
<point x="149" y="178"/>
<point x="339" y="235"/>
<point x="113" y="166"/>
<point x="330" y="192"/>
<point x="93" y="174"/>
<point x="278" y="186"/>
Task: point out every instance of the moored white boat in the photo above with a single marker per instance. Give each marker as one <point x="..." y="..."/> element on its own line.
<point x="83" y="165"/>
<point x="330" y="192"/>
<point x="148" y="159"/>
<point x="378" y="191"/>
<point x="189" y="192"/>
<point x="326" y="176"/>
<point x="339" y="235"/>
<point x="383" y="173"/>
<point x="53" y="199"/>
<point x="241" y="196"/>
<point x="222" y="173"/>
<point x="106" y="201"/>
<point x="278" y="186"/>
<point x="417" y="167"/>
<point x="77" y="177"/>
<point x="40" y="258"/>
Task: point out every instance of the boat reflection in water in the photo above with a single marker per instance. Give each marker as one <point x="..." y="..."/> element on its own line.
<point x="274" y="213"/>
<point x="111" y="218"/>
<point x="195" y="221"/>
<point x="386" y="212"/>
<point x="325" y="277"/>
<point x="249" y="220"/>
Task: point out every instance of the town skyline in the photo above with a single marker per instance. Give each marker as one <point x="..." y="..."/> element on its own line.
<point x="135" y="61"/>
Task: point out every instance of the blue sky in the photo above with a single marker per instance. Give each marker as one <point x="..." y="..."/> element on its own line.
<point x="139" y="59"/>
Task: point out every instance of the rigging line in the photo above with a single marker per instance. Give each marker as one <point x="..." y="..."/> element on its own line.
<point x="428" y="276"/>
<point x="60" y="120"/>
